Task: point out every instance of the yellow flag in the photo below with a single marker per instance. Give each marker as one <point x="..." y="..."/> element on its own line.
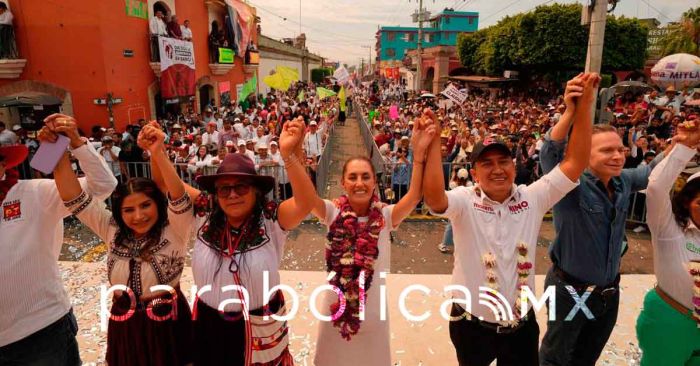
<point x="343" y="98"/>
<point x="300" y="97"/>
<point x="324" y="93"/>
<point x="288" y="73"/>
<point x="277" y="81"/>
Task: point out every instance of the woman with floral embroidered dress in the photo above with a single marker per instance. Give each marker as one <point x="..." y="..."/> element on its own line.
<point x="240" y="239"/>
<point x="668" y="328"/>
<point x="357" y="252"/>
<point x="148" y="236"/>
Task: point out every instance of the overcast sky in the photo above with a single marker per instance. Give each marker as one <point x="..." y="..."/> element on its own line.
<point x="338" y="29"/>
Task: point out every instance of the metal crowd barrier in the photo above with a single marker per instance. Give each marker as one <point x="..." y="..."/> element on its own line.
<point x="366" y="132"/>
<point x="323" y="166"/>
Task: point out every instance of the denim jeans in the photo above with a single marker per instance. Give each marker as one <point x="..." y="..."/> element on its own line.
<point x="578" y="341"/>
<point x="54" y="345"/>
<point x="447" y="239"/>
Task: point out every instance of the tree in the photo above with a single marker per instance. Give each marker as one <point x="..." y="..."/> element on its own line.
<point x="685" y="37"/>
<point x="551" y="41"/>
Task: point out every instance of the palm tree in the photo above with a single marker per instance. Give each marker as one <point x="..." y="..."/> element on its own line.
<point x="683" y="37"/>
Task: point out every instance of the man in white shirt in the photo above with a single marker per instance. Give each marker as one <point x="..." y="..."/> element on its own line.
<point x="8" y="46"/>
<point x="37" y="325"/>
<point x="260" y="136"/>
<point x="313" y="145"/>
<point x="211" y="136"/>
<point x="110" y="153"/>
<point x="6" y="16"/>
<point x="186" y="31"/>
<point x="283" y="185"/>
<point x="157" y="28"/>
<point x="496" y="225"/>
<point x="7" y="137"/>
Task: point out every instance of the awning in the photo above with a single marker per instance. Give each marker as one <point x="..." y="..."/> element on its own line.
<point x="21" y="100"/>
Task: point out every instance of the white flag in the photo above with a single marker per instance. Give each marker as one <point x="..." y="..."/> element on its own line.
<point x="342" y="75"/>
<point x="454" y="94"/>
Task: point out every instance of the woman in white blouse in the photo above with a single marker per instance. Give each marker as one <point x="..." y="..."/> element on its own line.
<point x="239" y="244"/>
<point x="359" y="225"/>
<point x="148" y="236"/>
<point x="668" y="328"/>
<point x="201" y="159"/>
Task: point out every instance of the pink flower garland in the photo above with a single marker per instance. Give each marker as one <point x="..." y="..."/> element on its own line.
<point x="523" y="269"/>
<point x="352" y="248"/>
<point x="694" y="269"/>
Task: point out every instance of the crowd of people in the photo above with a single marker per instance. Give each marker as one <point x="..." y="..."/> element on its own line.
<point x="239" y="233"/>
<point x="197" y="143"/>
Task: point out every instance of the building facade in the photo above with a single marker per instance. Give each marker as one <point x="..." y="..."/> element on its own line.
<point x="393" y="43"/>
<point x="288" y="52"/>
<point x="73" y="54"/>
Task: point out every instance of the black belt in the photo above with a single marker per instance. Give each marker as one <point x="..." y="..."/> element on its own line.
<point x="606" y="291"/>
<point x="496" y="327"/>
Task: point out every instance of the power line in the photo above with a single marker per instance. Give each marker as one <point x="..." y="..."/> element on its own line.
<point x="306" y="26"/>
<point x="657" y="10"/>
<point x="502" y="9"/>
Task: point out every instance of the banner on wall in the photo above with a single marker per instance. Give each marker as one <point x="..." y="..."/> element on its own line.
<point x="226" y="55"/>
<point x="177" y="67"/>
<point x="137" y="9"/>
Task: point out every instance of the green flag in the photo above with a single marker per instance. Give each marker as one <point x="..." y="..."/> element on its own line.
<point x="324" y="93"/>
<point x="300" y="97"/>
<point x="248" y="88"/>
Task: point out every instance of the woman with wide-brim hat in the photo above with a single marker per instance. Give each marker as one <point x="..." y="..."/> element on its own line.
<point x="240" y="242"/>
<point x="357" y="253"/>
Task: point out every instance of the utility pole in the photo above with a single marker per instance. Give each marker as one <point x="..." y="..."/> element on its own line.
<point x="362" y="67"/>
<point x="597" y="13"/>
<point x="370" y="57"/>
<point x="419" y="67"/>
<point x="596" y="36"/>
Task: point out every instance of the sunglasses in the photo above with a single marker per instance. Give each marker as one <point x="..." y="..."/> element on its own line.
<point x="241" y="189"/>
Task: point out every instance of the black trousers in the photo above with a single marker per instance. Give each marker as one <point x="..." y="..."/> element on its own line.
<point x="577" y="341"/>
<point x="477" y="345"/>
<point x="54" y="345"/>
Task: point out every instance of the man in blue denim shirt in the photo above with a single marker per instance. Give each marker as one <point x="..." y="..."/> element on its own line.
<point x="590" y="225"/>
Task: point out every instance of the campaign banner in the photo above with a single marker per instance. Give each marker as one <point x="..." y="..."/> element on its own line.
<point x="342" y="75"/>
<point x="177" y="70"/>
<point x="454" y="94"/>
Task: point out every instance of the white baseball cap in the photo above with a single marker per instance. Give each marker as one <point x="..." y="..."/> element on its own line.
<point x="261" y="145"/>
<point x="229" y="143"/>
<point x="313" y="123"/>
<point x="462" y="174"/>
<point x="240" y="142"/>
<point x="273" y="143"/>
<point x="16" y="128"/>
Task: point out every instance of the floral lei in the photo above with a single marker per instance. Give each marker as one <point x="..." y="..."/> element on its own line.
<point x="694" y="269"/>
<point x="524" y="267"/>
<point x="352" y="247"/>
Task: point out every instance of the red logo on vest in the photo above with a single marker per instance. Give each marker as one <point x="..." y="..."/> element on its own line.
<point x="11" y="211"/>
<point x="519" y="207"/>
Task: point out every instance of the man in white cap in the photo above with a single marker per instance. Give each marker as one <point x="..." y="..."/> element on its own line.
<point x="242" y="149"/>
<point x="37" y="325"/>
<point x="263" y="161"/>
